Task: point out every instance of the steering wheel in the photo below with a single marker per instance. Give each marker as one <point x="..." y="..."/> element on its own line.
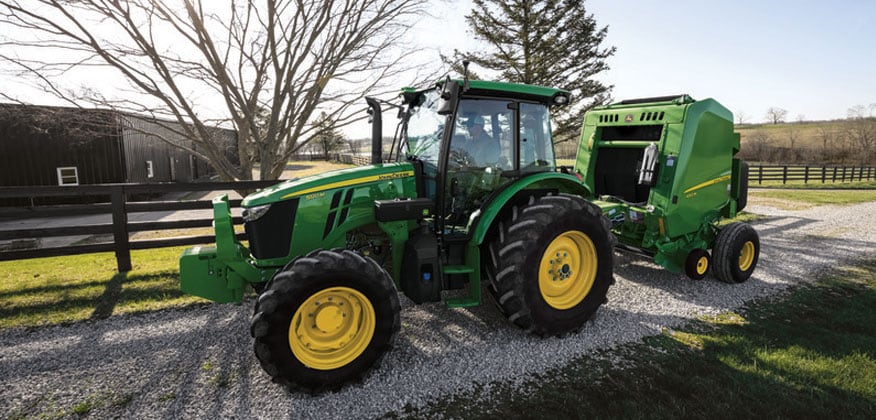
<point x="536" y="163"/>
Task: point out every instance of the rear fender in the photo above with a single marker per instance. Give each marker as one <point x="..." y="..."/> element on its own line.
<point x="545" y="180"/>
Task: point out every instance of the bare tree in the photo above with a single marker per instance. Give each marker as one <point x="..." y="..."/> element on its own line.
<point x="828" y="139"/>
<point x="204" y="64"/>
<point x="354" y="146"/>
<point x="792" y="133"/>
<point x="861" y="133"/>
<point x="741" y="117"/>
<point x="756" y="146"/>
<point x="776" y="115"/>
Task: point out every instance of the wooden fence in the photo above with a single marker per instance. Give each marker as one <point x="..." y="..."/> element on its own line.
<point x="117" y="204"/>
<point x="810" y="173"/>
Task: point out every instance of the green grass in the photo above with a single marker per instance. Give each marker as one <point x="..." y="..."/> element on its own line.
<point x="744" y="217"/>
<point x="67" y="289"/>
<point x="809" y="354"/>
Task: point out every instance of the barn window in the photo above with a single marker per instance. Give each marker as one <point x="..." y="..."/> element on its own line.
<point x="68" y="176"/>
<point x="149" y="172"/>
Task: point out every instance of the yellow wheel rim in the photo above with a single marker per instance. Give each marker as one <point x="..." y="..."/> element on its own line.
<point x="702" y="265"/>
<point x="746" y="256"/>
<point x="332" y="328"/>
<point x="567" y="270"/>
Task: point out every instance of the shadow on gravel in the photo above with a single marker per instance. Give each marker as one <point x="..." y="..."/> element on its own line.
<point x="788" y="256"/>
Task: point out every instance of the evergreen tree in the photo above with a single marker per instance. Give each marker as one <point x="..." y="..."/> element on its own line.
<point x="544" y="42"/>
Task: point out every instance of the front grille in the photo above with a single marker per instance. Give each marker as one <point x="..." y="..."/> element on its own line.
<point x="271" y="235"/>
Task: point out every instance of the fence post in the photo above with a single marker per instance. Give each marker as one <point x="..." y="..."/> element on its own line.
<point x="784" y="175"/>
<point x="834" y="174"/>
<point x="823" y="174"/>
<point x="806" y="175"/>
<point x="759" y="174"/>
<point x="844" y="175"/>
<point x="120" y="229"/>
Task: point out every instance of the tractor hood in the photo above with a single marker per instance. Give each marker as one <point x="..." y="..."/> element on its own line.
<point x="316" y="184"/>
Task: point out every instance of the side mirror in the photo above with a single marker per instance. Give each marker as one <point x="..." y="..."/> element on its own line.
<point x="449" y="97"/>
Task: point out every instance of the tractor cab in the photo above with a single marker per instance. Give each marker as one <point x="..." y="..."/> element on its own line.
<point x="473" y="139"/>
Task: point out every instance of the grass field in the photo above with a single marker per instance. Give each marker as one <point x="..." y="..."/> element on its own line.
<point x="808" y="132"/>
<point x="809" y="354"/>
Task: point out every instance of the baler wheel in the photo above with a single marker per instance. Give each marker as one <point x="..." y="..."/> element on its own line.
<point x="736" y="251"/>
<point x="697" y="264"/>
<point x="325" y="320"/>
<point x="551" y="264"/>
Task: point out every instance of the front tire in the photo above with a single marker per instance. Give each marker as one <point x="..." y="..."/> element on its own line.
<point x="325" y="320"/>
<point x="551" y="264"/>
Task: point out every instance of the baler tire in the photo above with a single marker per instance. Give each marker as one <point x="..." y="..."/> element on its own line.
<point x="519" y="271"/>
<point x="374" y="322"/>
<point x="697" y="264"/>
<point x="735" y="253"/>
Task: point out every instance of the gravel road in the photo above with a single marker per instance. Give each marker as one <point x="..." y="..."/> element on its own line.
<point x="198" y="362"/>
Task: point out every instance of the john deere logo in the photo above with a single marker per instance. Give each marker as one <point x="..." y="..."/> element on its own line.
<point x="628" y="118"/>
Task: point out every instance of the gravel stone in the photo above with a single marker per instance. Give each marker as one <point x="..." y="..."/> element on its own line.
<point x="198" y="362"/>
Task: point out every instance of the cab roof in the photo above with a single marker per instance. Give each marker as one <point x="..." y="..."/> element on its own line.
<point x="503" y="89"/>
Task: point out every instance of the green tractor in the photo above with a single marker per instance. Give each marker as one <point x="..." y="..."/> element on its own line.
<point x="470" y="190"/>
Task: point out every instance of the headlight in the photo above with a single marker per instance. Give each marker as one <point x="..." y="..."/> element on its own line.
<point x="254" y="213"/>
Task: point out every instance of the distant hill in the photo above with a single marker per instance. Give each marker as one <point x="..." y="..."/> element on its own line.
<point x="845" y="142"/>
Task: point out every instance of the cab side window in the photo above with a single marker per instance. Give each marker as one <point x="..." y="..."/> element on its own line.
<point x="536" y="149"/>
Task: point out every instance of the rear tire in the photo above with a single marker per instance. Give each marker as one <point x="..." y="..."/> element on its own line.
<point x="736" y="251"/>
<point x="325" y="320"/>
<point x="551" y="264"/>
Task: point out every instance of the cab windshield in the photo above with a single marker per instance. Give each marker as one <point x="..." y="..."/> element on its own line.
<point x="424" y="129"/>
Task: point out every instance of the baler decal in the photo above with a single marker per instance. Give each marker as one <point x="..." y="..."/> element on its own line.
<point x="707" y="183"/>
<point x="347" y="183"/>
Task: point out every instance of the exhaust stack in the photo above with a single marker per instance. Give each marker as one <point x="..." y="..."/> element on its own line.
<point x="376" y="130"/>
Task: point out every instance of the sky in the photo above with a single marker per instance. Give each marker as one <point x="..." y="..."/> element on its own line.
<point x="816" y="59"/>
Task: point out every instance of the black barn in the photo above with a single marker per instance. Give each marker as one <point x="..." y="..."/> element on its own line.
<point x="71" y="146"/>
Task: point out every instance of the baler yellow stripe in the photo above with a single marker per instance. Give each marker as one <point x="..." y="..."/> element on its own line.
<point x="707" y="183"/>
<point x="347" y="183"/>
